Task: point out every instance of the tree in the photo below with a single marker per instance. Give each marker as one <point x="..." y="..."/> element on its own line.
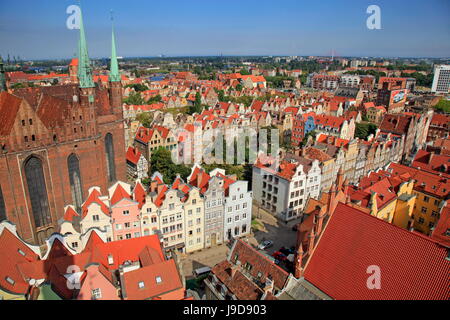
<point x="311" y="134"/>
<point x="161" y="161"/>
<point x="197" y="107"/>
<point x="145" y="118"/>
<point x="443" y="105"/>
<point x="363" y="130"/>
<point x="134" y="98"/>
<point x="154" y="99"/>
<point x="138" y="87"/>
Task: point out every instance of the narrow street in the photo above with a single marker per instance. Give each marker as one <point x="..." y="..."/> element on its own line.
<point x="270" y="227"/>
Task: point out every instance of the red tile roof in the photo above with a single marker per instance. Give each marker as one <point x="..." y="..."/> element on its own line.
<point x="94" y="197"/>
<point x="412" y="266"/>
<point x="139" y="194"/>
<point x="440" y="233"/>
<point x="432" y="162"/>
<point x="9" y="106"/>
<point x="10" y="258"/>
<point x="70" y="214"/>
<point x="238" y="284"/>
<point x="427" y="182"/>
<point x="119" y="194"/>
<point x="133" y="155"/>
<point x="169" y="281"/>
<point x="260" y="264"/>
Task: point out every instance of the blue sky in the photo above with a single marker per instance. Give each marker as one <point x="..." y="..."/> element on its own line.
<point x="35" y="29"/>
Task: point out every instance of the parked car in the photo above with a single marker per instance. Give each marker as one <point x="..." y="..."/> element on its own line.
<point x="286" y="251"/>
<point x="279" y="256"/>
<point x="265" y="245"/>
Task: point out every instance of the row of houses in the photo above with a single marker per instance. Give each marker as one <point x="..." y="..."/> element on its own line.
<point x="133" y="269"/>
<point x="207" y="210"/>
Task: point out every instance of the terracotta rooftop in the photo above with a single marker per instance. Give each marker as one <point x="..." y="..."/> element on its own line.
<point x="413" y="267"/>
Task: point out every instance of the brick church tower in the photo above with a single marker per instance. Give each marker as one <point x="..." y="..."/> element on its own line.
<point x="55" y="143"/>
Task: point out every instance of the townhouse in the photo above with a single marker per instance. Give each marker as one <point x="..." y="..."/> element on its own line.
<point x="431" y="190"/>
<point x="149" y="140"/>
<point x="188" y="216"/>
<point x="137" y="165"/>
<point x="134" y="269"/>
<point x="283" y="188"/>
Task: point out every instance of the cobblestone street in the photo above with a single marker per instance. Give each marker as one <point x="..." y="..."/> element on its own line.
<point x="205" y="258"/>
<point x="279" y="232"/>
<point x="270" y="229"/>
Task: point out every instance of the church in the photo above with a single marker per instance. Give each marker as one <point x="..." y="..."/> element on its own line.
<point x="56" y="142"/>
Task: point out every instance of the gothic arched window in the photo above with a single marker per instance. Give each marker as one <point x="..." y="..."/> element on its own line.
<point x="110" y="165"/>
<point x="73" y="165"/>
<point x="2" y="206"/>
<point x="37" y="191"/>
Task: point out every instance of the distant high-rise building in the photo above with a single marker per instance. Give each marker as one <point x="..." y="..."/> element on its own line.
<point x="441" y="81"/>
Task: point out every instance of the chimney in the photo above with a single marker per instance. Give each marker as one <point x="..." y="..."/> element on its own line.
<point x="153" y="186"/>
<point x="268" y="287"/>
<point x="234" y="268"/>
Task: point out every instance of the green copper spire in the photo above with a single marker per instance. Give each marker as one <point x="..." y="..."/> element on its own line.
<point x="84" y="64"/>
<point x="2" y="76"/>
<point x="114" y="75"/>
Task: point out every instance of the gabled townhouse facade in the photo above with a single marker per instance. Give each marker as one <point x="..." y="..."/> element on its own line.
<point x="283" y="188"/>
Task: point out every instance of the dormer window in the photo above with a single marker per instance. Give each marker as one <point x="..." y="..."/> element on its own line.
<point x="158" y="280"/>
<point x="21" y="252"/>
<point x="10" y="281"/>
<point x="141" y="285"/>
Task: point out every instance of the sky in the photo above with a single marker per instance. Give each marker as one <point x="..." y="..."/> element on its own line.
<point x="36" y="29"/>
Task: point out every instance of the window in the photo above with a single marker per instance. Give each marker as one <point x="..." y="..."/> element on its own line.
<point x="37" y="191"/>
<point x="153" y="219"/>
<point x="2" y="206"/>
<point x="73" y="165"/>
<point x="96" y="294"/>
<point x="74" y="244"/>
<point x="10" y="281"/>
<point x="127" y="225"/>
<point x="199" y="210"/>
<point x="424" y="210"/>
<point x="158" y="280"/>
<point x="190" y="212"/>
<point x="126" y="212"/>
<point x="194" y="201"/>
<point x="171" y="206"/>
<point x="149" y="210"/>
<point x="426" y="199"/>
<point x="141" y="285"/>
<point x="128" y="236"/>
<point x="110" y="164"/>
